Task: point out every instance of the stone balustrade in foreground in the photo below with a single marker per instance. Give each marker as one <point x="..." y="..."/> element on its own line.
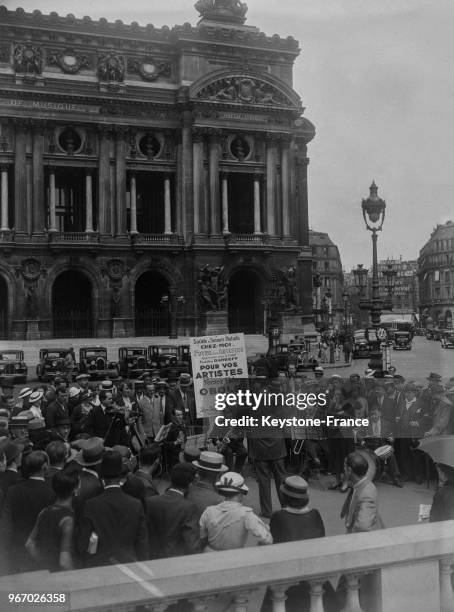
<point x="407" y="568"/>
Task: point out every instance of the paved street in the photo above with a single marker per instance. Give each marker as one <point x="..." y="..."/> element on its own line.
<point x="426" y="355"/>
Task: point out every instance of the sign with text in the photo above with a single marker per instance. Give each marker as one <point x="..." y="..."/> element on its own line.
<point x="215" y="361"/>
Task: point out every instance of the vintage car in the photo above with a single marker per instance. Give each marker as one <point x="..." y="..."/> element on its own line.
<point x="296" y="353"/>
<point x="360" y="344"/>
<point x="93" y="361"/>
<point x="447" y="340"/>
<point x="55" y="361"/>
<point x="402" y="341"/>
<point x="132" y="361"/>
<point x="13" y="367"/>
<point x="170" y="359"/>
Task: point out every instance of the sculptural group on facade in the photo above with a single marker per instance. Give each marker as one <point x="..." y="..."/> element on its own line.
<point x="213" y="288"/>
<point x="28" y="60"/>
<point x="111" y="67"/>
<point x="288" y="290"/>
<point x="219" y="8"/>
<point x="243" y="89"/>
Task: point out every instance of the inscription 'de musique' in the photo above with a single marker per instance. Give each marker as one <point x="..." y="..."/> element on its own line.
<point x="53" y="106"/>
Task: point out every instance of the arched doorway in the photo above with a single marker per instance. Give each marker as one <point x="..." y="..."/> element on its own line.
<point x="244" y="303"/>
<point x="152" y="305"/>
<point x="72" y="305"/>
<point x="3" y="309"/>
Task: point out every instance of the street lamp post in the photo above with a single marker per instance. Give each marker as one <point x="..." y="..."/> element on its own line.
<point x="374" y="215"/>
<point x="345" y="298"/>
<point x="271" y="302"/>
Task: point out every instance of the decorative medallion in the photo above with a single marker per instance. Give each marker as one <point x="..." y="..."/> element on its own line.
<point x="69" y="61"/>
<point x="30" y="269"/>
<point x="28" y="59"/>
<point x="148" y="68"/>
<point x="111" y="68"/>
<point x="245" y="90"/>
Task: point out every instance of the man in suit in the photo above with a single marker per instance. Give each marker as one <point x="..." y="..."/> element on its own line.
<point x="409" y="429"/>
<point x="104" y="421"/>
<point x="57" y="452"/>
<point x="56" y="409"/>
<point x="184" y="400"/>
<point x="173" y="521"/>
<point x="23" y="502"/>
<point x="360" y="509"/>
<point x="13" y="456"/>
<point x="385" y="403"/>
<point x="202" y="492"/>
<point x="89" y="458"/>
<point x="149" y="457"/>
<point x="116" y="518"/>
<point x="379" y="433"/>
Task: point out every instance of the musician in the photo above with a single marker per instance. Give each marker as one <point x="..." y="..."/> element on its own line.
<point x="378" y="434"/>
<point x="175" y="439"/>
<point x="107" y="421"/>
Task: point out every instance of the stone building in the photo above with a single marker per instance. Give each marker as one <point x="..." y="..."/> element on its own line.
<point x="405" y="294"/>
<point x="328" y="275"/>
<point x="436" y="277"/>
<point x="153" y="180"/>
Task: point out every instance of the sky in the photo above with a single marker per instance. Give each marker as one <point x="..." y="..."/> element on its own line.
<point x="375" y="77"/>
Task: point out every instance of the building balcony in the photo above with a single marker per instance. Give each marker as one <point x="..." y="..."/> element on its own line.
<point x="404" y="568"/>
<point x="82" y="240"/>
<point x="156" y="240"/>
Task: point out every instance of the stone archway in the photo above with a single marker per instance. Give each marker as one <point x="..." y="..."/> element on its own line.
<point x="245" y="309"/>
<point x="72" y="298"/>
<point x="152" y="304"/>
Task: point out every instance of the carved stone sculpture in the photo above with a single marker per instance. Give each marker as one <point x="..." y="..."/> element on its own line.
<point x="228" y="11"/>
<point x="28" y="59"/>
<point x="111" y="67"/>
<point x="213" y="288"/>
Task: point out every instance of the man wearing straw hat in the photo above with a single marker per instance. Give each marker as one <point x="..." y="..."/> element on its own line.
<point x="202" y="492"/>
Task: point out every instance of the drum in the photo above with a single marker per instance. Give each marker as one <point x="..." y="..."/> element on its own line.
<point x="384" y="452"/>
<point x="373" y="462"/>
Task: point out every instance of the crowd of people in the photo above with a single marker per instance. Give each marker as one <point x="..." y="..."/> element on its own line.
<point x="78" y="465"/>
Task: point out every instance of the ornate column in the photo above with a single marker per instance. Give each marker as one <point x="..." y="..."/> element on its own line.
<point x="20" y="178"/>
<point x="104" y="195"/>
<point x="285" y="185"/>
<point x="271" y="151"/>
<point x="38" y="209"/>
<point x="120" y="179"/>
<point x="52" y="203"/>
<point x="213" y="164"/>
<point x="133" y="192"/>
<point x="302" y="218"/>
<point x="257" y="206"/>
<point x="88" y="201"/>
<point x="199" y="183"/>
<point x="4" y="192"/>
<point x="187" y="188"/>
<point x="167" y="206"/>
<point x="225" y="204"/>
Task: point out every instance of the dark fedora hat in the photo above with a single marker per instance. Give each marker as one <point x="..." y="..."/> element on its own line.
<point x="112" y="465"/>
<point x="295" y="486"/>
<point x="91" y="452"/>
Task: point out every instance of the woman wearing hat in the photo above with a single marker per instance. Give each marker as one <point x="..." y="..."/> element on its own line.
<point x="297" y="521"/>
<point x="228" y="524"/>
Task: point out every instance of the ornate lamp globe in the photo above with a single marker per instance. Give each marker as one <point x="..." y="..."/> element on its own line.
<point x="374" y="210"/>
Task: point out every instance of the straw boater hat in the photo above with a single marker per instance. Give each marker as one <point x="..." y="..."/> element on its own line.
<point x="36" y="396"/>
<point x="83" y="377"/>
<point x="295" y="486"/>
<point x="74" y="392"/>
<point x="91" y="452"/>
<point x="211" y="462"/>
<point x="25" y="392"/>
<point x="232" y="482"/>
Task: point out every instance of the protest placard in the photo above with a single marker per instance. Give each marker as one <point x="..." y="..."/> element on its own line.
<point x="216" y="362"/>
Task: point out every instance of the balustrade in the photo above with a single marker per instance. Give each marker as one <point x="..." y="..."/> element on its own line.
<point x="405" y="568"/>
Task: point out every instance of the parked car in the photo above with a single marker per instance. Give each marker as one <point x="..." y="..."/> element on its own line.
<point x="447" y="340"/>
<point x="170" y="359"/>
<point x="93" y="361"/>
<point x="55" y="361"/>
<point x="402" y="341"/>
<point x="360" y="344"/>
<point x="13" y="367"/>
<point x="296" y="353"/>
<point x="132" y="361"/>
<point x="436" y="334"/>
